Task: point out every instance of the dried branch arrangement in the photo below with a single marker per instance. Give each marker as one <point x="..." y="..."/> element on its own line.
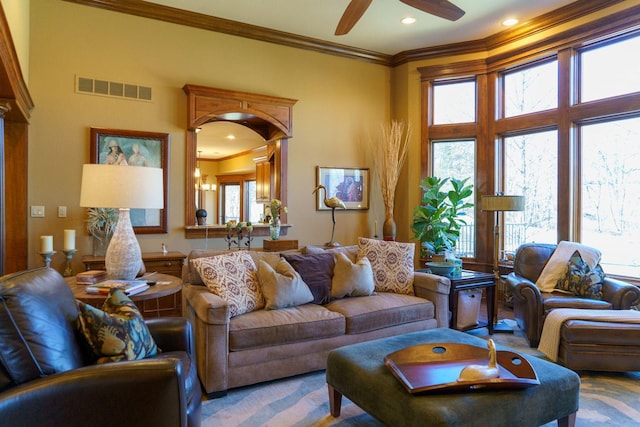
<point x="389" y="153"/>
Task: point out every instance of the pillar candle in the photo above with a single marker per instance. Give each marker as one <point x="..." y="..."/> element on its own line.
<point x="46" y="244"/>
<point x="69" y="240"/>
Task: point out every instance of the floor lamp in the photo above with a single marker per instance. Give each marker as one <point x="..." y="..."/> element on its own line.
<point x="499" y="203"/>
<point x="123" y="188"/>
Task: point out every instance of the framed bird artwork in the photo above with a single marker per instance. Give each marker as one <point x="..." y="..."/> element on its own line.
<point x="342" y="188"/>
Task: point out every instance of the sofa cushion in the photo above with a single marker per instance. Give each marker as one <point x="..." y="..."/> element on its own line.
<point x="316" y="271"/>
<point x="392" y="264"/>
<point x="282" y="287"/>
<point x="351" y="279"/>
<point x="582" y="281"/>
<point x="266" y="328"/>
<point x="382" y="310"/>
<point x="117" y="332"/>
<point x="233" y="277"/>
<point x="556" y="266"/>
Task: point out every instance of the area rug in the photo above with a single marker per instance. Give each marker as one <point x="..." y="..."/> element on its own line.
<point x="606" y="399"/>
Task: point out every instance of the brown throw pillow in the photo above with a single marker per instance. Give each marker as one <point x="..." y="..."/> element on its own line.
<point x="316" y="271"/>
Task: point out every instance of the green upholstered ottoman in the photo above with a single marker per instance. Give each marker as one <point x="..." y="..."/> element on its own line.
<point x="358" y="372"/>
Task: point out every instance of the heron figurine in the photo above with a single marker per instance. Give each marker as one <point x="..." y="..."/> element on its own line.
<point x="333" y="203"/>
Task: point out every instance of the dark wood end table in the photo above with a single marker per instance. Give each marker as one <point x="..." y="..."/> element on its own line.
<point x="473" y="280"/>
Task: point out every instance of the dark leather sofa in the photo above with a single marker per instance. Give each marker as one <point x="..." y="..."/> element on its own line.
<point x="530" y="306"/>
<point x="46" y="378"/>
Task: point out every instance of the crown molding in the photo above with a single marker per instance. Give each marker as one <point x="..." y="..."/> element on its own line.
<point x="524" y="30"/>
<point x="234" y="28"/>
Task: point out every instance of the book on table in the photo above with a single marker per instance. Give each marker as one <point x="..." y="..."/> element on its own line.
<point x="129" y="287"/>
<point x="91" y="277"/>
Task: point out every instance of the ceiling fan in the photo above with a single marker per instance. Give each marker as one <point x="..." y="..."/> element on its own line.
<point x="355" y="10"/>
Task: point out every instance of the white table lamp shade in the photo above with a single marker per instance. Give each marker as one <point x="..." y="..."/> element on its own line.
<point x="122" y="187"/>
<point x="114" y="186"/>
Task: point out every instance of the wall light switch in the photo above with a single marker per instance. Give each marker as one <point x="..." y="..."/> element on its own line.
<point x="62" y="211"/>
<point x="37" y="211"/>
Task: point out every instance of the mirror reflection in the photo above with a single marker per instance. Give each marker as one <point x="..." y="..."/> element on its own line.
<point x="230" y="180"/>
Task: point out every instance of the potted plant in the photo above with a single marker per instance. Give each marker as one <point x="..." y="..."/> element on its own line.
<point x="437" y="220"/>
<point x="101" y="223"/>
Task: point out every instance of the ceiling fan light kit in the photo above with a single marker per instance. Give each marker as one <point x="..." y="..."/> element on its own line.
<point x="356" y="8"/>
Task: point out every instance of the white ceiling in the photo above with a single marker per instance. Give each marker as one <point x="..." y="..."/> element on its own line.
<point x="379" y="30"/>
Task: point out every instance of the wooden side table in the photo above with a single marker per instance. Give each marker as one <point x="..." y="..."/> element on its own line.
<point x="149" y="302"/>
<point x="163" y="264"/>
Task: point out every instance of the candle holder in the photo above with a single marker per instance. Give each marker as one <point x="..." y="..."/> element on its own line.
<point x="68" y="269"/>
<point x="46" y="257"/>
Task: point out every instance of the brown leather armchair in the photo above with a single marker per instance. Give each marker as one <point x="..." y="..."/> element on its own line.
<point x="46" y="375"/>
<point x="530" y="306"/>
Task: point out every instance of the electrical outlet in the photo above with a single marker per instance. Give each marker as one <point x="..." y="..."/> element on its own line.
<point x="37" y="211"/>
<point x="62" y="211"/>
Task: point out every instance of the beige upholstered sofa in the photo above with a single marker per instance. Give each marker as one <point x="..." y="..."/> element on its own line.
<point x="268" y="344"/>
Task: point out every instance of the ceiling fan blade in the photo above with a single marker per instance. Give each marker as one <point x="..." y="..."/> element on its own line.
<point x="442" y="8"/>
<point x="351" y="15"/>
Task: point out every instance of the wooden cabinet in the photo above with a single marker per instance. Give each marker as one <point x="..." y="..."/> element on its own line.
<point x="171" y="264"/>
<point x="263" y="182"/>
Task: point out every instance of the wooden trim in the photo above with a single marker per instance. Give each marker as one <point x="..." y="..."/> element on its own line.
<point x="234" y="28"/>
<point x="527" y="29"/>
<point x="12" y="82"/>
<point x="205" y="104"/>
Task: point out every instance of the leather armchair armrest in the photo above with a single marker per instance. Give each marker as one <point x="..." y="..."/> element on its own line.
<point x="521" y="287"/>
<point x="621" y="295"/>
<point x="135" y="393"/>
<point x="436" y="289"/>
<point x="528" y="306"/>
<point x="172" y="334"/>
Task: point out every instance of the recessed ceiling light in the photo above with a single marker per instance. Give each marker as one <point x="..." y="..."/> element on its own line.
<point x="408" y="20"/>
<point x="510" y="22"/>
<point x="231" y="136"/>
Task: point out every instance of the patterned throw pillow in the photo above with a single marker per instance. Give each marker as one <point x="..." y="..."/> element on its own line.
<point x="351" y="279"/>
<point x="392" y="264"/>
<point x="233" y="277"/>
<point x="117" y="332"/>
<point x="582" y="281"/>
<point x="282" y="287"/>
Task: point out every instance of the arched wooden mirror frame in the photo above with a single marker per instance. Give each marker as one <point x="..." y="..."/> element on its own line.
<point x="269" y="116"/>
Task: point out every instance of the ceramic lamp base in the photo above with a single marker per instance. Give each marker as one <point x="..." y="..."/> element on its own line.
<point x="124" y="258"/>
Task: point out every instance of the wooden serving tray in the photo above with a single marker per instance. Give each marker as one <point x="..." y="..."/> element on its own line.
<point x="429" y="367"/>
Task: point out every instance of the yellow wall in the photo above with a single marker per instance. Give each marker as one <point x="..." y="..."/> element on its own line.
<point x="17" y="13"/>
<point x="339" y="100"/>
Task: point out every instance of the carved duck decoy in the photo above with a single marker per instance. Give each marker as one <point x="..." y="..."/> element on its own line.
<point x="482" y="372"/>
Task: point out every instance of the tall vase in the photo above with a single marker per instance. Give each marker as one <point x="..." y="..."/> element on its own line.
<point x="389" y="228"/>
<point x="274" y="229"/>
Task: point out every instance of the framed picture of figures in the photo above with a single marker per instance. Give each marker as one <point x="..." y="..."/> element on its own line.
<point x="135" y="148"/>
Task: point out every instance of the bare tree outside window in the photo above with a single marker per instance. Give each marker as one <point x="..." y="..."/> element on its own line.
<point x="610" y="187"/>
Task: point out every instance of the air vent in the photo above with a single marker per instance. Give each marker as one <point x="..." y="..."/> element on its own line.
<point x="91" y="86"/>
